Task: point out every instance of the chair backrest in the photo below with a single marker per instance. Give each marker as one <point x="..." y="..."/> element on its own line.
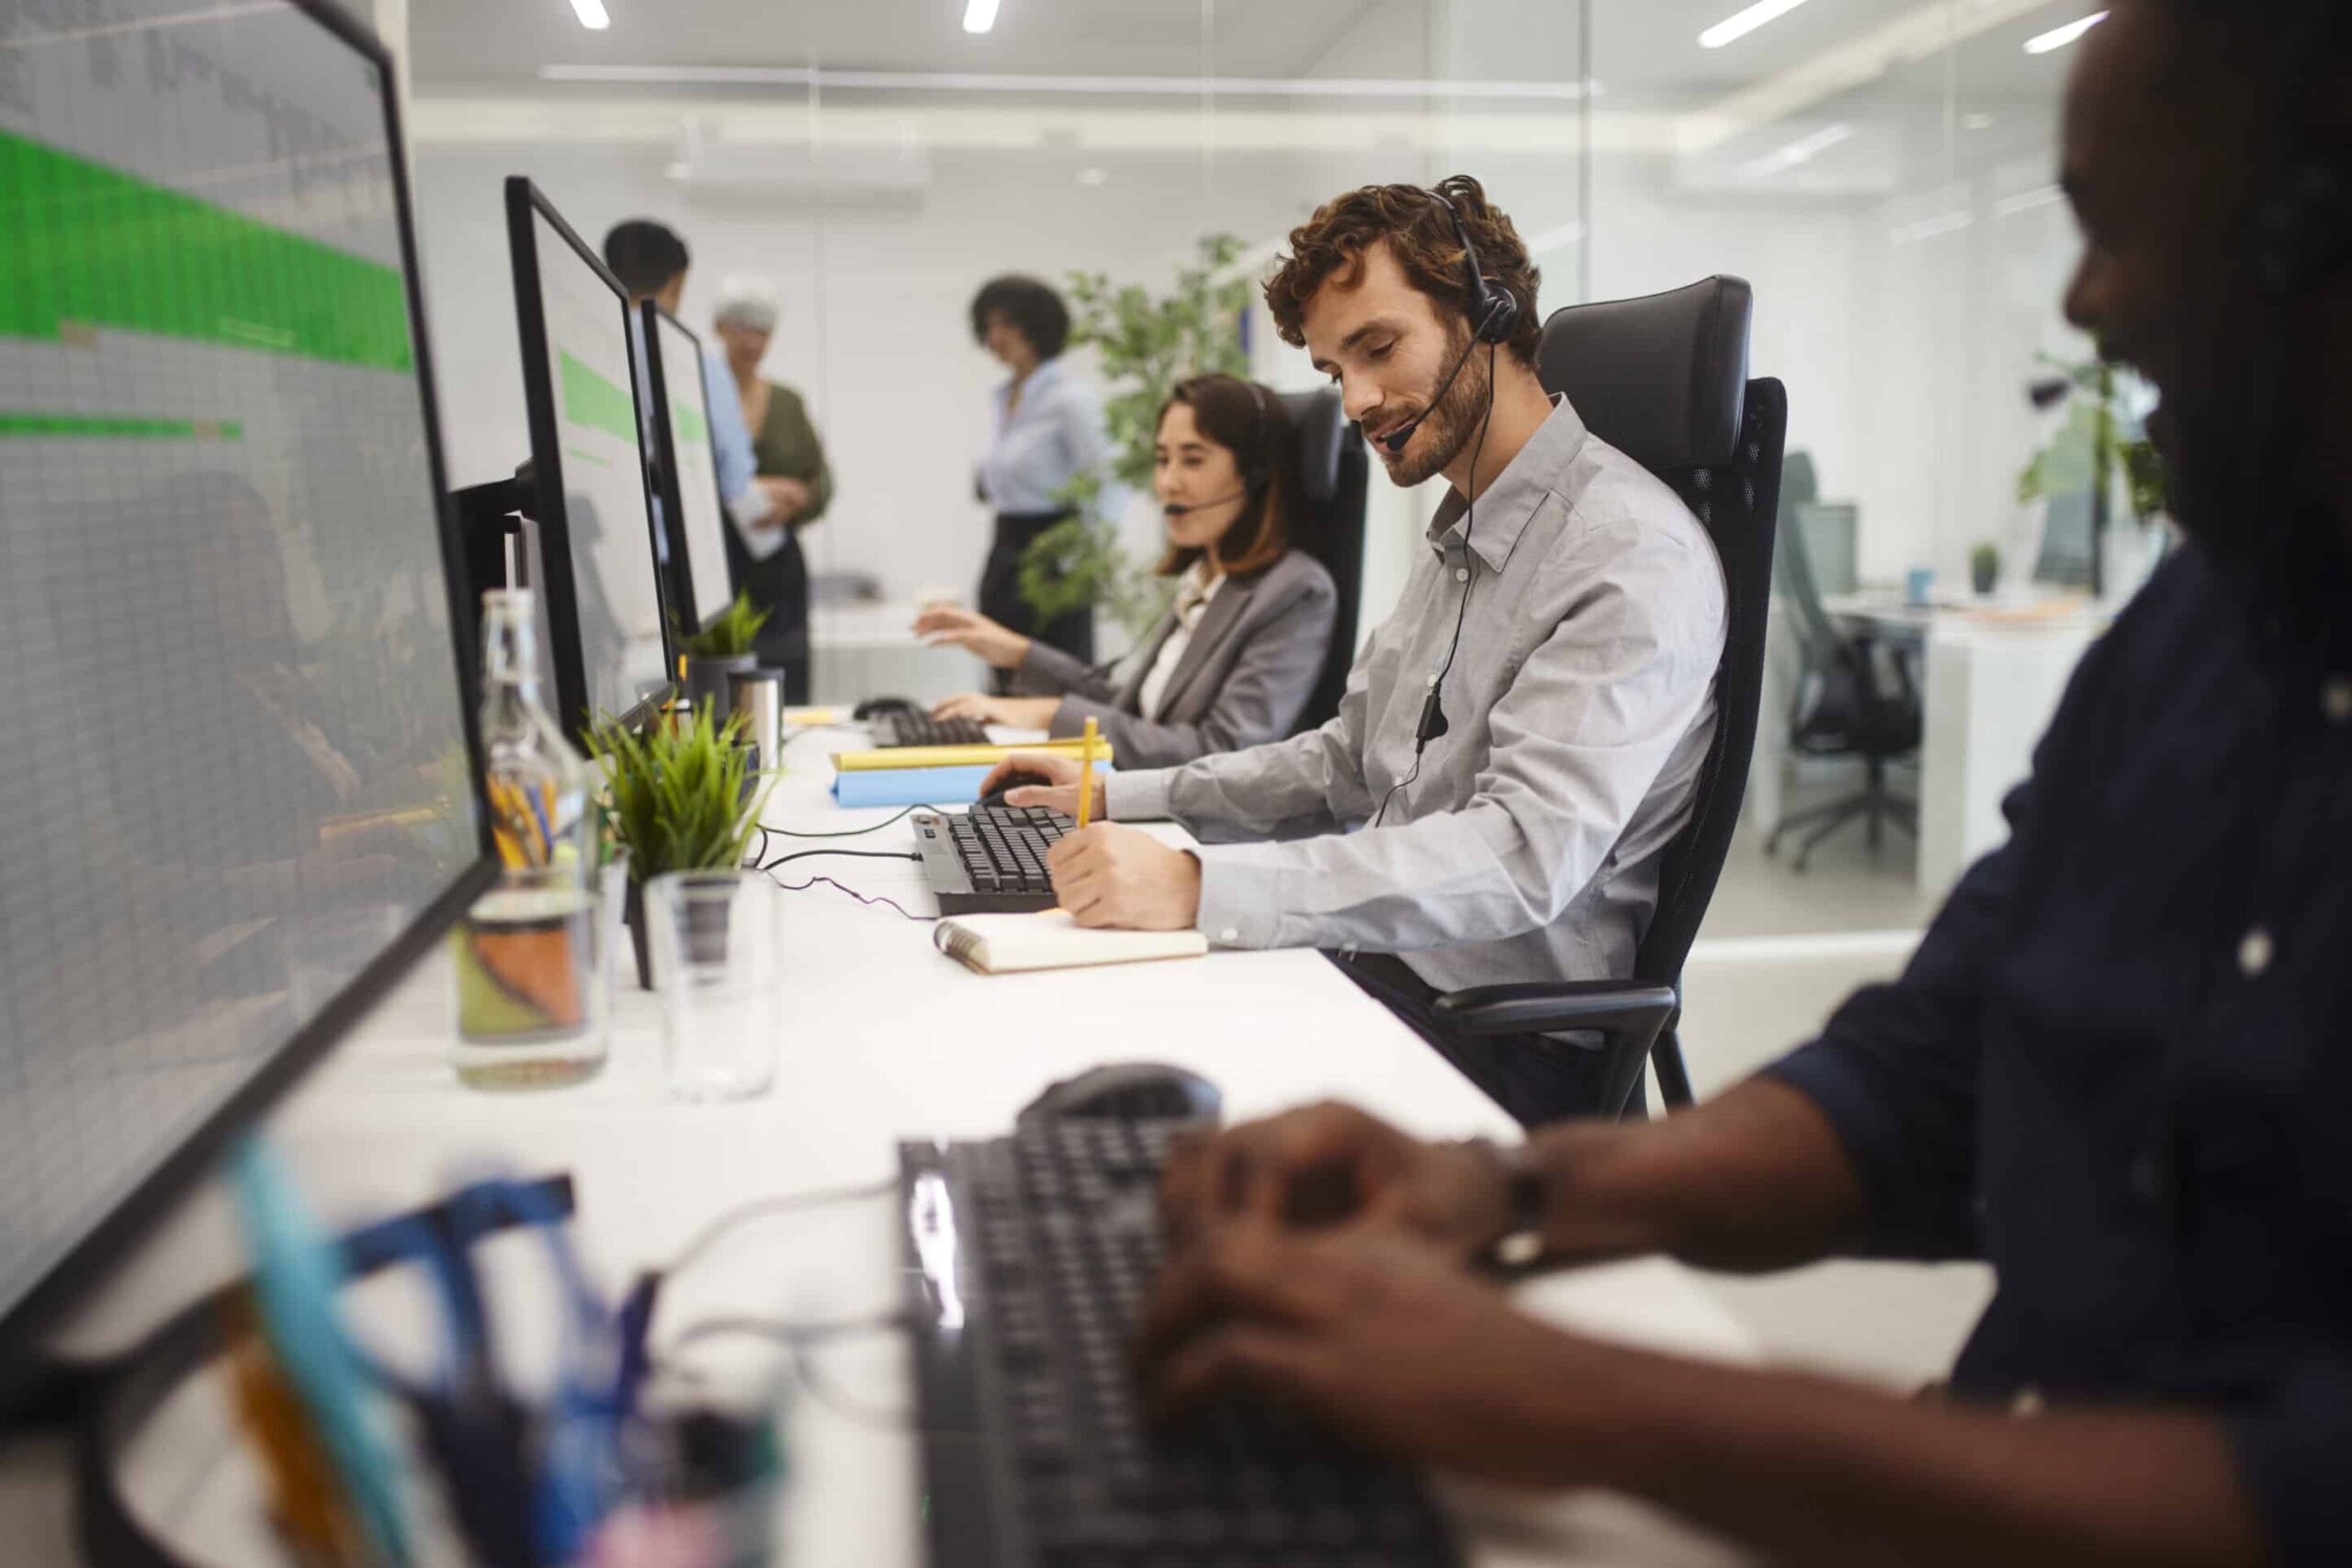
<point x="1792" y="573"/>
<point x="1335" y="476"/>
<point x="1664" y="379"/>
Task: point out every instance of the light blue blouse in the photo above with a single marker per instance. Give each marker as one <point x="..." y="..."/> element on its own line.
<point x="1055" y="434"/>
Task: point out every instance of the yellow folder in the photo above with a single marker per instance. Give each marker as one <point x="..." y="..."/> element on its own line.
<point x="895" y="756"/>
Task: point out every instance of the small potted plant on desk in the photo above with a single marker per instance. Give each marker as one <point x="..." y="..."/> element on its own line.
<point x="1984" y="569"/>
<point x="680" y="799"/>
<point x="720" y="649"/>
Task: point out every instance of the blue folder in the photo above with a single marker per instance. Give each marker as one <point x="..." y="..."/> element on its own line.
<point x="909" y="786"/>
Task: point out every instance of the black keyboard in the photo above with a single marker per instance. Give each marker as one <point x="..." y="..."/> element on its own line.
<point x="893" y="728"/>
<point x="990" y="860"/>
<point x="1029" y="1259"/>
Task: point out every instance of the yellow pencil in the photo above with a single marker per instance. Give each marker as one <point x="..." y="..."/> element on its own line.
<point x="1086" y="777"/>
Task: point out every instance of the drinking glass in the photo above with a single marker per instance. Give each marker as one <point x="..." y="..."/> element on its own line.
<point x="717" y="948"/>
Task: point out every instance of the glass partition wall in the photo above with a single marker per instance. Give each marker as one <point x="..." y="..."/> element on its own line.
<point x="1881" y="170"/>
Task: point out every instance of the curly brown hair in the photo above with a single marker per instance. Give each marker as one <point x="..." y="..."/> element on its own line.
<point x="1328" y="249"/>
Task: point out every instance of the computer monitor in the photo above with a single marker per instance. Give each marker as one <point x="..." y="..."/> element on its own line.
<point x="598" y="557"/>
<point x="241" y="779"/>
<point x="688" y="467"/>
<point x="2067" y="541"/>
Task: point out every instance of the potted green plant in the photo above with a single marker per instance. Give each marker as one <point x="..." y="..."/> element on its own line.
<point x="1145" y="346"/>
<point x="720" y="649"/>
<point x="1983" y="570"/>
<point x="678" y="797"/>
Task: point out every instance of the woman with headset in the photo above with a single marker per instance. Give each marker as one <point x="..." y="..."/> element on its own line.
<point x="1233" y="662"/>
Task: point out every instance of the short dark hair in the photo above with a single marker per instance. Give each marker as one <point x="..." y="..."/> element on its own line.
<point x="1328" y="249"/>
<point x="1250" y="422"/>
<point x="645" y="255"/>
<point x="1030" y="305"/>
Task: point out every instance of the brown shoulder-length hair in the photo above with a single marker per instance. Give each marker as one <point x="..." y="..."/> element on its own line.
<point x="1328" y="249"/>
<point x="1250" y="422"/>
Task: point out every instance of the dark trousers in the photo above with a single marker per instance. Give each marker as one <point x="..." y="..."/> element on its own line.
<point x="1001" y="598"/>
<point x="780" y="586"/>
<point x="1536" y="1078"/>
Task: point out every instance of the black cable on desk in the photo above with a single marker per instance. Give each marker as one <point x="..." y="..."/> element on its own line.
<point x="856" y="854"/>
<point x="846" y="832"/>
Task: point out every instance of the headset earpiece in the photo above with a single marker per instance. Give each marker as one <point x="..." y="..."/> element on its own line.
<point x="1493" y="312"/>
<point x="2302" y="227"/>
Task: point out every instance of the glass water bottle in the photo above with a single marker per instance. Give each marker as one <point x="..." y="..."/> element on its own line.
<point x="533" y="976"/>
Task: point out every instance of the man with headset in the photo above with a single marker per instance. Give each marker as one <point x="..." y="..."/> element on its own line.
<point x="2118" y="1069"/>
<point x="1524" y="736"/>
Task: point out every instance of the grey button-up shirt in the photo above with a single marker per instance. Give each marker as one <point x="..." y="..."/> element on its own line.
<point x="1581" y="705"/>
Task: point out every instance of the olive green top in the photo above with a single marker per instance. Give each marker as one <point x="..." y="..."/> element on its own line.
<point x="785" y="446"/>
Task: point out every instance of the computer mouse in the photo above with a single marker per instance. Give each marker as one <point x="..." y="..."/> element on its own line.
<point x="1012" y="782"/>
<point x="874" y="707"/>
<point x="1126" y="1091"/>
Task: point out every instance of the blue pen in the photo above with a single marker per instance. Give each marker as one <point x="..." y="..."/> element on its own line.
<point x="297" y="1275"/>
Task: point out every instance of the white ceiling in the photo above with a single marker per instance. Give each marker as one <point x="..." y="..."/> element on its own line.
<point x="470" y="41"/>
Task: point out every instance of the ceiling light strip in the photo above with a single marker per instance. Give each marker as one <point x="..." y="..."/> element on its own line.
<point x="2058" y="38"/>
<point x="593" y="15"/>
<point x="1731" y="29"/>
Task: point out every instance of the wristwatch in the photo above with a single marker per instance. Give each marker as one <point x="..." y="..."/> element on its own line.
<point x="1521" y="1245"/>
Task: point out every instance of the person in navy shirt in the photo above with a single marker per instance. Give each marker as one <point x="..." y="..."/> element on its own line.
<point x="2118" y="1067"/>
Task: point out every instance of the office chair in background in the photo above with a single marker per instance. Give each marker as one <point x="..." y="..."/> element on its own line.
<point x="1665" y="380"/>
<point x="1334" y="480"/>
<point x="1850" y="704"/>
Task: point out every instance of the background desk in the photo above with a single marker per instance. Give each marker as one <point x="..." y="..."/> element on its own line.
<point x="865" y="650"/>
<point x="1990" y="680"/>
<point x="886" y="1040"/>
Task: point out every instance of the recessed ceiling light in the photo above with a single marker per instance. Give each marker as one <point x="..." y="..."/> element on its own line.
<point x="2058" y="38"/>
<point x="1735" y="28"/>
<point x="980" y="16"/>
<point x="592" y="14"/>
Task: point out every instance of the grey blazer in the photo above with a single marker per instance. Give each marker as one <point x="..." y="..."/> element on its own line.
<point x="1244" y="679"/>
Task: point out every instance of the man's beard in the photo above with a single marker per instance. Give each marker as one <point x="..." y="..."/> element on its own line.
<point x="1453" y="424"/>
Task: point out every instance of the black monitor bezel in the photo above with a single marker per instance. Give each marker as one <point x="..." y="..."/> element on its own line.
<point x="673" y="511"/>
<point x="526" y="201"/>
<point x="177" y="1174"/>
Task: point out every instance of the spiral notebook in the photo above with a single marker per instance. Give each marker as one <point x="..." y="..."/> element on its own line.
<point x="1010" y="945"/>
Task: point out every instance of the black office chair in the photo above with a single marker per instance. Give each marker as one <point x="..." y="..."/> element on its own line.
<point x="1665" y="380"/>
<point x="1335" y="476"/>
<point x="1849" y="703"/>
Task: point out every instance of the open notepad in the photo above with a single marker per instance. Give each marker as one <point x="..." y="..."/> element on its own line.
<point x="1007" y="945"/>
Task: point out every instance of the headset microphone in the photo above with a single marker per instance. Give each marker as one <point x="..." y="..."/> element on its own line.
<point x="1175" y="509"/>
<point x="1396" y="439"/>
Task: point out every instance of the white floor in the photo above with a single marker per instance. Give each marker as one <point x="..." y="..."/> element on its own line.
<point x="1779" y="951"/>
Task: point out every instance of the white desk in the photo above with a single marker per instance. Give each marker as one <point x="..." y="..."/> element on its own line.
<point x="887" y="1040"/>
<point x="1991" y="678"/>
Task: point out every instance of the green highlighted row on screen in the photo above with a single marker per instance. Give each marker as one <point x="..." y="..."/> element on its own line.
<point x="91" y="248"/>
<point x="594" y="401"/>
<point x="71" y="426"/>
<point x="693" y="429"/>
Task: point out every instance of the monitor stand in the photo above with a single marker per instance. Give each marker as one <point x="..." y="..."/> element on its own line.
<point x="488" y="515"/>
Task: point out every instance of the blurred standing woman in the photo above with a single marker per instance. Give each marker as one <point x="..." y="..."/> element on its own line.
<point x="790" y="461"/>
<point x="1049" y="430"/>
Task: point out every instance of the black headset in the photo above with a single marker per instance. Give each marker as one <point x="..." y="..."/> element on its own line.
<point x="1493" y="312"/>
<point x="2302" y="227"/>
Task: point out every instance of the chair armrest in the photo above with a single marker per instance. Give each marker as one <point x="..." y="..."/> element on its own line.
<point x="1629" y="1009"/>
